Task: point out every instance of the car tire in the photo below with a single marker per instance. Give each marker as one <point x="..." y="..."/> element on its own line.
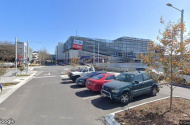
<point x="153" y="91"/>
<point x="184" y="82"/>
<point x="75" y="78"/>
<point x="125" y="98"/>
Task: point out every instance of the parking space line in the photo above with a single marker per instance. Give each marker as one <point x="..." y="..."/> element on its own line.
<point x="79" y="89"/>
<point x="91" y="97"/>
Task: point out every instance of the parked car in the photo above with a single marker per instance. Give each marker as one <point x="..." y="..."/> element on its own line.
<point x="73" y="71"/>
<point x="82" y="72"/>
<point x="128" y="85"/>
<point x="183" y="78"/>
<point x="95" y="83"/>
<point x="157" y="74"/>
<point x="82" y="80"/>
<point x="0" y="88"/>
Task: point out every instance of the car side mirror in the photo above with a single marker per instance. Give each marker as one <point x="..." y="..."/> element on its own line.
<point x="136" y="82"/>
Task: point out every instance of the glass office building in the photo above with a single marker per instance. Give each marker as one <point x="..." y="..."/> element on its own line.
<point x="124" y="48"/>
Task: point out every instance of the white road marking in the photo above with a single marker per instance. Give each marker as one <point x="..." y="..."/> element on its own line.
<point x="47" y="74"/>
<point x="66" y="69"/>
<point x="79" y="89"/>
<point x="91" y="97"/>
<point x="44" y="77"/>
<point x="64" y="76"/>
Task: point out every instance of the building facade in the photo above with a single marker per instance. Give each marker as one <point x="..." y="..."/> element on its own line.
<point x="22" y="52"/>
<point x="122" y="49"/>
<point x="59" y="52"/>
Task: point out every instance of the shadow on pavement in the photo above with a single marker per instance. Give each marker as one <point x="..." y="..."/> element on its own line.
<point x="75" y="86"/>
<point x="66" y="79"/>
<point x="66" y="82"/>
<point x="183" y="86"/>
<point x="107" y="104"/>
<point x="86" y="93"/>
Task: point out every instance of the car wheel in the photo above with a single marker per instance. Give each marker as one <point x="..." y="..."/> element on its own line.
<point x="125" y="98"/>
<point x="153" y="91"/>
<point x="183" y="81"/>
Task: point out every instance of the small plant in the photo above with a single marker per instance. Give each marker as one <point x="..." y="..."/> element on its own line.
<point x="21" y="68"/>
<point x="2" y="68"/>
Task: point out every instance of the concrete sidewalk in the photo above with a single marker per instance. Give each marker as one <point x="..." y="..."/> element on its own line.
<point x="8" y="78"/>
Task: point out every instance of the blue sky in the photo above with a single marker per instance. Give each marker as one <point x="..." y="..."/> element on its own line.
<point x="53" y="21"/>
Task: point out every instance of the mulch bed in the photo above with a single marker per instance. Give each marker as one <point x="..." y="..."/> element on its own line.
<point x="156" y="113"/>
<point x="9" y="84"/>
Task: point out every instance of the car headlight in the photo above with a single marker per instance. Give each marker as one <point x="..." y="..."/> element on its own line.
<point x="115" y="91"/>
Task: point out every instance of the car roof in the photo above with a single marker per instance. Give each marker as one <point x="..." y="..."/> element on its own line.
<point x="135" y="72"/>
<point x="100" y="72"/>
<point x="108" y="74"/>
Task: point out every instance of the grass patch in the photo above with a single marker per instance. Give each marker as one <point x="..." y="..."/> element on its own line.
<point x="9" y="83"/>
<point x="156" y="113"/>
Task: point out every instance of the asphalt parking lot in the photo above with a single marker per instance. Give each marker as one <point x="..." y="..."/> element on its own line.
<point x="103" y="105"/>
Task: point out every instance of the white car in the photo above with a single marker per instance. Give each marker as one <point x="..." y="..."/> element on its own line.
<point x="82" y="72"/>
<point x="183" y="78"/>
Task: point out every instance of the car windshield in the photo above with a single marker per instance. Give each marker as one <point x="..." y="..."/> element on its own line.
<point x="125" y="77"/>
<point x="80" y="70"/>
<point x="98" y="77"/>
<point x="92" y="74"/>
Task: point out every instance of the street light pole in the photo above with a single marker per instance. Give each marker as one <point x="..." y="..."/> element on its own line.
<point x="27" y="54"/>
<point x="182" y="11"/>
<point x="16" y="53"/>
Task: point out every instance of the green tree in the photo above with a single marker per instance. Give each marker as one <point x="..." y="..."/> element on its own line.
<point x="172" y="55"/>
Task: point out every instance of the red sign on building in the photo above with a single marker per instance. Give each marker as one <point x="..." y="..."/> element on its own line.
<point x="77" y="44"/>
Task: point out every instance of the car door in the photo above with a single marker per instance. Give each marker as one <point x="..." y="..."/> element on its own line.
<point x="137" y="87"/>
<point x="147" y="83"/>
<point x="85" y="72"/>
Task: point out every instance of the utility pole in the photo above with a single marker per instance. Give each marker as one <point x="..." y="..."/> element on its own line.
<point x="16" y="53"/>
<point x="27" y="54"/>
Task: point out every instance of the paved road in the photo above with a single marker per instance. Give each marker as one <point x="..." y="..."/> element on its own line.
<point x="52" y="99"/>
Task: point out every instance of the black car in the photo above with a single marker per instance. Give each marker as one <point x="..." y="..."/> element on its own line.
<point x="82" y="80"/>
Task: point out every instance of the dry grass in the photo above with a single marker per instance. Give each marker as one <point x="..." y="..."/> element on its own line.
<point x="9" y="84"/>
<point x="156" y="113"/>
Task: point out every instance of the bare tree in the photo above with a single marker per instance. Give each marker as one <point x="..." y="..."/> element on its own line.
<point x="43" y="56"/>
<point x="7" y="51"/>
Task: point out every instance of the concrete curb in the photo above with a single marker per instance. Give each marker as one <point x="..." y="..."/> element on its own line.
<point x="13" y="89"/>
<point x="110" y="117"/>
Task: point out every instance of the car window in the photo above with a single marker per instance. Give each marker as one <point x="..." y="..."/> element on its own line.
<point x="146" y="77"/>
<point x="110" y="77"/>
<point x="98" y="77"/>
<point x="125" y="77"/>
<point x="138" y="78"/>
<point x="140" y="69"/>
<point x="92" y="74"/>
<point x="85" y="70"/>
<point x="91" y="69"/>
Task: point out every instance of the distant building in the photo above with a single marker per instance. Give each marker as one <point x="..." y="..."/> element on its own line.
<point x="123" y="49"/>
<point x="35" y="57"/>
<point x="22" y="52"/>
<point x="59" y="52"/>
